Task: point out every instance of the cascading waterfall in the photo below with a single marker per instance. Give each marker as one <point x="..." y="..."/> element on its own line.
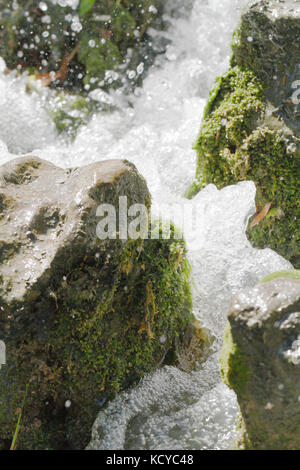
<point x="155" y="128"/>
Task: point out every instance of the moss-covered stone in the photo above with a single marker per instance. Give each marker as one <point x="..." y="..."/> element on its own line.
<point x="229" y="119"/>
<point x="233" y="363"/>
<point x="81" y="318"/>
<point x="260" y="361"/>
<point x="250" y="127"/>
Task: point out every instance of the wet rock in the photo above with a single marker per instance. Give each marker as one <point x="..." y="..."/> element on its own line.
<point x="251" y="129"/>
<point x="261" y="362"/>
<point x="80" y="317"/>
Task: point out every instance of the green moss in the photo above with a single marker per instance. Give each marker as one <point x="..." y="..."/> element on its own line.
<point x="213" y="95"/>
<point x="109" y="39"/>
<point x="98" y="59"/>
<point x="234" y="146"/>
<point x="193" y="190"/>
<point x="229" y="119"/>
<point x="123" y="24"/>
<point x="148" y="298"/>
<point x="274" y="49"/>
<point x="234" y="370"/>
<point x="111" y="26"/>
<point x="70" y="112"/>
<point x="7" y="251"/>
<point x="285" y="274"/>
<point x="108" y="317"/>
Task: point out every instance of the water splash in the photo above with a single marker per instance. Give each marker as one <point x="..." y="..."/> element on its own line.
<point x="155" y="128"/>
<point x="172" y="409"/>
<point x="169" y="410"/>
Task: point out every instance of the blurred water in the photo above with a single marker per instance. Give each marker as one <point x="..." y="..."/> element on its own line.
<point x="155" y="128"/>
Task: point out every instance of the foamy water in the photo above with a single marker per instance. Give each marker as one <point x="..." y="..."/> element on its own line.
<point x="155" y="128"/>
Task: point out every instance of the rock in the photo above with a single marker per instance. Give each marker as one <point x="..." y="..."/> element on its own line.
<point x="251" y="125"/>
<point x="260" y="361"/>
<point x="80" y="317"/>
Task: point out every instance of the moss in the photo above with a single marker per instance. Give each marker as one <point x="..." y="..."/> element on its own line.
<point x="7" y="251"/>
<point x="5" y="203"/>
<point x="123" y="24"/>
<point x="266" y="386"/>
<point x="285" y="274"/>
<point x="235" y="146"/>
<point x="108" y="316"/>
<point x="110" y="39"/>
<point x="194" y="189"/>
<point x="242" y="441"/>
<point x="41" y="40"/>
<point x="97" y="60"/>
<point x="148" y="298"/>
<point x="70" y="112"/>
<point x="234" y="370"/>
<point x="273" y="50"/>
<point x="229" y="119"/>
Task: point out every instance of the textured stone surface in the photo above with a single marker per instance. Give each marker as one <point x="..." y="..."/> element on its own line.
<point x="48" y="216"/>
<point x="261" y="363"/>
<point x="81" y="318"/>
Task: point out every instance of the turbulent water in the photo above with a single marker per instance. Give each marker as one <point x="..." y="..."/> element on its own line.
<point x="155" y="128"/>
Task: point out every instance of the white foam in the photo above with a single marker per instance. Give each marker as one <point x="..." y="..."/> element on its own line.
<point x="169" y="409"/>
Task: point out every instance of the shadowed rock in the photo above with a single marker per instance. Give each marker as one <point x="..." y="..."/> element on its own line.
<point x="261" y="363"/>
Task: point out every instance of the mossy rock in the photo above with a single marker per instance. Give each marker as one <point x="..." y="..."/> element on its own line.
<point x="250" y="129"/>
<point x="81" y="318"/>
<point x="233" y="364"/>
<point x="260" y="361"/>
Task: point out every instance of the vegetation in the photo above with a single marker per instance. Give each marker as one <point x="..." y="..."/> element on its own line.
<point x="234" y="370"/>
<point x="235" y="144"/>
<point x="83" y="48"/>
<point x="116" y="317"/>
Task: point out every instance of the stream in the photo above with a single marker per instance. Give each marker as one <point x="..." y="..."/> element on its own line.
<point x="155" y="128"/>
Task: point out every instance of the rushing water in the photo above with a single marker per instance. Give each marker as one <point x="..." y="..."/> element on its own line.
<point x="155" y="128"/>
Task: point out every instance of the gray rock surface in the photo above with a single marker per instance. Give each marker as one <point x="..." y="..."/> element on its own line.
<point x="48" y="216"/>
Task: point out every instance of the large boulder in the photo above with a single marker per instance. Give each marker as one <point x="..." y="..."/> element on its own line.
<point x="260" y="361"/>
<point x="251" y="126"/>
<point x="81" y="317"/>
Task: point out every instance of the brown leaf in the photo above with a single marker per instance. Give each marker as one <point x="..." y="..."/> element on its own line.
<point x="45" y="78"/>
<point x="261" y="215"/>
<point x="64" y="68"/>
<point x="63" y="71"/>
